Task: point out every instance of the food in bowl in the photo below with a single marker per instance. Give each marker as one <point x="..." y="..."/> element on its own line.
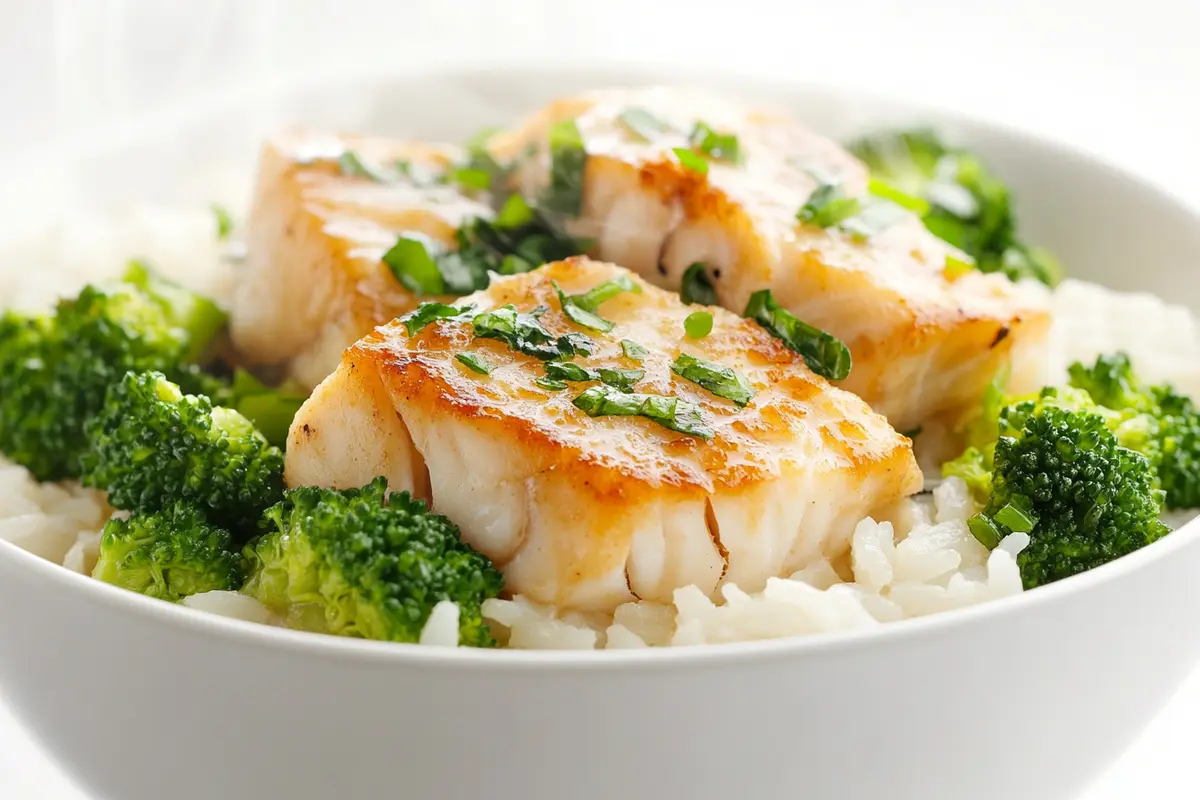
<point x="647" y="369"/>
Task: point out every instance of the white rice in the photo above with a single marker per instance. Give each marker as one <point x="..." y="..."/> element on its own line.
<point x="916" y="559"/>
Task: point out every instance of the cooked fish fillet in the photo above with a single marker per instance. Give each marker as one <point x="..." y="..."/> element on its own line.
<point x="925" y="342"/>
<point x="314" y="282"/>
<point x="590" y="512"/>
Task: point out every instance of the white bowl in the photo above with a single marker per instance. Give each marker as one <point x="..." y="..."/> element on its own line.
<point x="1027" y="697"/>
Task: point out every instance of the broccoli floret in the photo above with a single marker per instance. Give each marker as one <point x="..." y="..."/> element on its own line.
<point x="959" y="199"/>
<point x="169" y="554"/>
<point x="1156" y="421"/>
<point x="151" y="445"/>
<point x="365" y="564"/>
<point x="55" y="370"/>
<point x="1060" y="476"/>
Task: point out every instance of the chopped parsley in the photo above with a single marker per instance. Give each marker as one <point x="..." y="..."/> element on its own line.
<point x="619" y="378"/>
<point x="696" y="286"/>
<point x="550" y="385"/>
<point x="885" y="190"/>
<point x="824" y="353"/>
<point x="415" y="269"/>
<point x="956" y="268"/>
<point x="484" y="171"/>
<point x="568" y="161"/>
<point x="643" y="123"/>
<point x="720" y="146"/>
<point x="350" y="165"/>
<point x="874" y="217"/>
<point x="633" y="351"/>
<point x="698" y="324"/>
<point x="474" y="363"/>
<point x="720" y="380"/>
<point x="691" y="160"/>
<point x="581" y="308"/>
<point x="525" y="334"/>
<point x="670" y="412"/>
<point x="415" y="321"/>
<point x="517" y="241"/>
<point x="827" y="206"/>
<point x="224" y="221"/>
<point x="471" y="178"/>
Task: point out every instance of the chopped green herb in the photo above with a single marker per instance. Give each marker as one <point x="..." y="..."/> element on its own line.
<point x="620" y="378"/>
<point x="633" y="351"/>
<point x="698" y="324"/>
<point x="716" y="378"/>
<point x="567" y="371"/>
<point x="415" y="321"/>
<point x="643" y="123"/>
<point x="352" y="166"/>
<point x="955" y="268"/>
<point x="568" y="161"/>
<point x="581" y="308"/>
<point x="224" y="221"/>
<point x="474" y="363"/>
<point x="670" y="412"/>
<point x="691" y="160"/>
<point x="479" y="160"/>
<point x="721" y="146"/>
<point x="410" y="262"/>
<point x="881" y="188"/>
<point x="827" y="206"/>
<point x="550" y="384"/>
<point x="874" y="217"/>
<point x="1016" y="519"/>
<point x="525" y="334"/>
<point x="514" y="213"/>
<point x="471" y="177"/>
<point x="696" y="286"/>
<point x="985" y="531"/>
<point x="824" y="353"/>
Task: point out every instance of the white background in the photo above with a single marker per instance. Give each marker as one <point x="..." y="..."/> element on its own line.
<point x="1115" y="78"/>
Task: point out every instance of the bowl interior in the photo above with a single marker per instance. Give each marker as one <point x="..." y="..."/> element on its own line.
<point x="1106" y="225"/>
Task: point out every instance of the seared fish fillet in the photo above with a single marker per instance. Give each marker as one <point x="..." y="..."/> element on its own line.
<point x="314" y="282"/>
<point x="588" y="512"/>
<point x="925" y="340"/>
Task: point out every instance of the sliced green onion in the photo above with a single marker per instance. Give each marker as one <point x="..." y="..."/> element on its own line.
<point x="643" y="123"/>
<point x="224" y="221"/>
<point x="881" y="188"/>
<point x="824" y="353"/>
<point x="721" y="146"/>
<point x="985" y="531"/>
<point x="568" y="162"/>
<point x="514" y="213"/>
<point x="550" y="385"/>
<point x="827" y="206"/>
<point x="474" y="363"/>
<point x="1015" y="518"/>
<point x="410" y="261"/>
<point x="696" y="286"/>
<point x="698" y="324"/>
<point x="633" y="351"/>
<point x="716" y="378"/>
<point x="415" y="321"/>
<point x="691" y="160"/>
<point x="670" y="412"/>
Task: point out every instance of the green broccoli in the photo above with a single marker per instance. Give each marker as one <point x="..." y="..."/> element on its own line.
<point x="169" y="554"/>
<point x="1060" y="476"/>
<point x="960" y="200"/>
<point x="152" y="445"/>
<point x="367" y="564"/>
<point x="55" y="370"/>
<point x="1156" y="421"/>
